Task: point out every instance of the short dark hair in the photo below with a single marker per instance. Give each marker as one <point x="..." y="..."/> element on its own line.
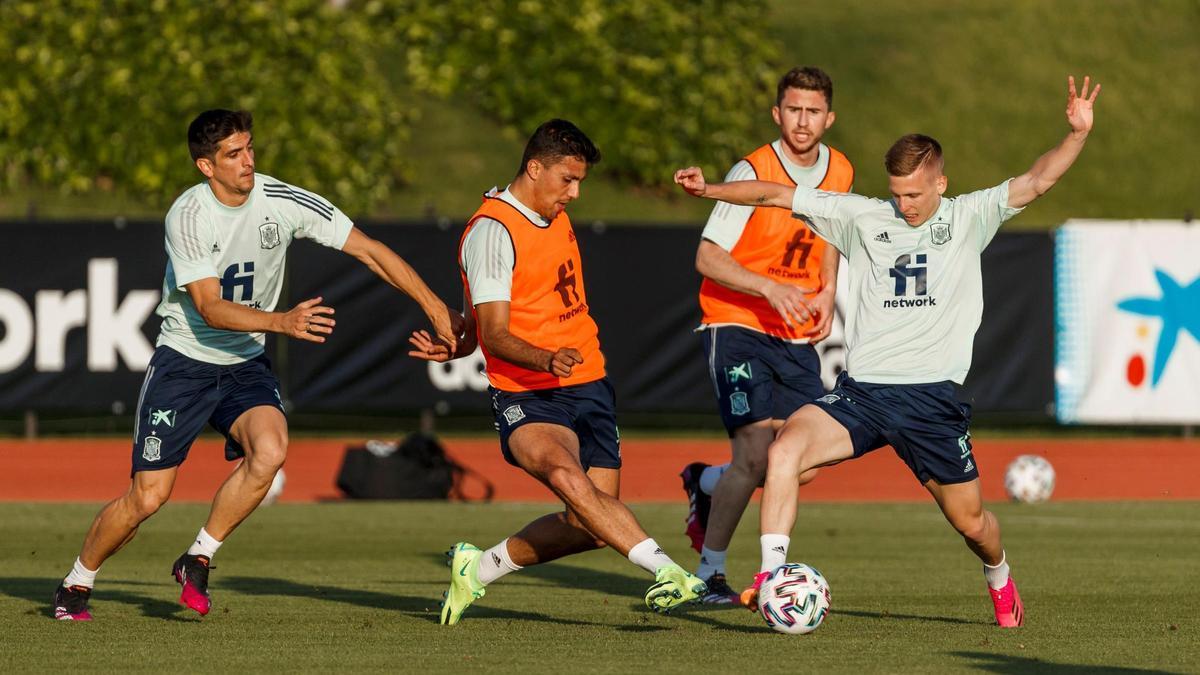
<point x="556" y="139"/>
<point x="807" y="77"/>
<point x="210" y="127"/>
<point x="912" y="152"/>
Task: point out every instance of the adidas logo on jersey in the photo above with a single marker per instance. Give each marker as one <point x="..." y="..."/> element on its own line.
<point x="883" y="236"/>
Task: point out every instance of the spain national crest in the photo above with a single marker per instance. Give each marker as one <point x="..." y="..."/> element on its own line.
<point x="268" y="234"/>
<point x="940" y="233"/>
<point x="152" y="449"/>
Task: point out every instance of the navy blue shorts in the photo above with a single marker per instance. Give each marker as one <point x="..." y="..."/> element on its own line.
<point x="590" y="410"/>
<point x="925" y="423"/>
<point x="181" y="394"/>
<point x="758" y="376"/>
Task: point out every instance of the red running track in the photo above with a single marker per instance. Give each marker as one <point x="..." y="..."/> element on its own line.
<point x="1105" y="469"/>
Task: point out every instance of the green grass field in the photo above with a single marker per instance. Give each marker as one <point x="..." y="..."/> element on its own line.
<point x="1108" y="587"/>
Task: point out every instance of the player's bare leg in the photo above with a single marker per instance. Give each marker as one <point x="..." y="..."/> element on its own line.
<point x="962" y="504"/>
<point x="262" y="433"/>
<point x="550" y="453"/>
<point x="809" y="439"/>
<point x="557" y="535"/>
<point x="113" y="528"/>
<point x="594" y="518"/>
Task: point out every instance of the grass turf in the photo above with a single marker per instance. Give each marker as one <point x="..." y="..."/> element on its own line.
<point x="354" y="586"/>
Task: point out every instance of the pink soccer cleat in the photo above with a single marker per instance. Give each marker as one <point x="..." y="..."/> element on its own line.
<point x="191" y="572"/>
<point x="71" y="603"/>
<point x="1010" y="612"/>
<point x="699" y="504"/>
<point x="749" y="597"/>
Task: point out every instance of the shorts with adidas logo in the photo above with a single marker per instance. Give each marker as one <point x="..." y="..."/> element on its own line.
<point x="589" y="409"/>
<point x="180" y="395"/>
<point x="926" y="424"/>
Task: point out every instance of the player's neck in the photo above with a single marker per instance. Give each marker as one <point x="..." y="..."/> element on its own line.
<point x="801" y="159"/>
<point x="523" y="191"/>
<point x="229" y="198"/>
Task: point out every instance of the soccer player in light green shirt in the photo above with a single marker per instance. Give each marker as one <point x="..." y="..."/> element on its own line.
<point x="915" y="278"/>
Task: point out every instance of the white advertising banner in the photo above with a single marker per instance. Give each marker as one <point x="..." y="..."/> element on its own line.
<point x="1127" y="322"/>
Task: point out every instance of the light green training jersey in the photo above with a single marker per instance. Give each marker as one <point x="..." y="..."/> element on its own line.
<point x="915" y="293"/>
<point x="245" y="249"/>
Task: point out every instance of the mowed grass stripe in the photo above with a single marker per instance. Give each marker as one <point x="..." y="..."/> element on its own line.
<point x="338" y="587"/>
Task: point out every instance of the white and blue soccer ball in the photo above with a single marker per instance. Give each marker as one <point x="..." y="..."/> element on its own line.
<point x="1029" y="479"/>
<point x="794" y="599"/>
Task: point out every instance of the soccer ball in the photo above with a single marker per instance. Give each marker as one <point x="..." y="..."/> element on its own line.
<point x="276" y="488"/>
<point x="794" y="599"/>
<point x="1029" y="479"/>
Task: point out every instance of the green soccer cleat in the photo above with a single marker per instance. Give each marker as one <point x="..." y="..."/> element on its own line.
<point x="464" y="582"/>
<point x="673" y="586"/>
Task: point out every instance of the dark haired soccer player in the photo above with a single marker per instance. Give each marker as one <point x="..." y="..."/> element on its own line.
<point x="226" y="242"/>
<point x="915" y="274"/>
<point x="767" y="296"/>
<point x="554" y="408"/>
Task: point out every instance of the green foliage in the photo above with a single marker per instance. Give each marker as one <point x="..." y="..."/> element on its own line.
<point x="656" y="85"/>
<point x="98" y="94"/>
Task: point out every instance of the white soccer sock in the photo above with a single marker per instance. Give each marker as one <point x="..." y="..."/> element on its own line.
<point x="774" y="550"/>
<point x="711" y="562"/>
<point x="80" y="575"/>
<point x="205" y="545"/>
<point x="495" y="563"/>
<point x="649" y="556"/>
<point x="710" y="476"/>
<point x="997" y="575"/>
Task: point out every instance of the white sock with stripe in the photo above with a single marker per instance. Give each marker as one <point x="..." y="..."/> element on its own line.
<point x="80" y="575"/>
<point x="205" y="545"/>
<point x="495" y="563"/>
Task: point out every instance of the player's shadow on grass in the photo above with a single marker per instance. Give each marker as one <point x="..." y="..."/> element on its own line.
<point x="912" y="617"/>
<point x="417" y="607"/>
<point x="40" y="591"/>
<point x="1007" y="664"/>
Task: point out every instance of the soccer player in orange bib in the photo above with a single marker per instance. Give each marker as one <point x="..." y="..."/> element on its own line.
<point x="554" y="407"/>
<point x="767" y="297"/>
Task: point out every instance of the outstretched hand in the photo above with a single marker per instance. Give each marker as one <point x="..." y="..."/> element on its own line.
<point x="1079" y="104"/>
<point x="309" y="320"/>
<point x="691" y="180"/>
<point x="429" y="348"/>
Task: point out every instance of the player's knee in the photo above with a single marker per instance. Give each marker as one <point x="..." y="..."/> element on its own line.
<point x="268" y="456"/>
<point x="972" y="526"/>
<point x="147" y="502"/>
<point x="787" y="452"/>
<point x="569" y="483"/>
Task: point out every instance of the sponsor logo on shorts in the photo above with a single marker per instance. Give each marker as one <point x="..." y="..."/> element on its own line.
<point x="739" y="372"/>
<point x="738" y="403"/>
<point x="829" y="398"/>
<point x="964" y="444"/>
<point x="158" y="417"/>
<point x="513" y="414"/>
<point x="152" y="449"/>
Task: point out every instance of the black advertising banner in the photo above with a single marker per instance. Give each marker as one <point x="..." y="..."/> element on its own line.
<point x="77" y="322"/>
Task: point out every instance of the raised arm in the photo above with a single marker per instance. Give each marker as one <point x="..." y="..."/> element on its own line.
<point x="1051" y="166"/>
<point x="383" y="261"/>
<point x="745" y="192"/>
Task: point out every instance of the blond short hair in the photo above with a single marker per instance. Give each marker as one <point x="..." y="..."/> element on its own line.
<point x="912" y="152"/>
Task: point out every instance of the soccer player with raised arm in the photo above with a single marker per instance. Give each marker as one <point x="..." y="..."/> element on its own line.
<point x="226" y="242"/>
<point x="917" y="301"/>
<point x="766" y="298"/>
<point x="554" y="407"/>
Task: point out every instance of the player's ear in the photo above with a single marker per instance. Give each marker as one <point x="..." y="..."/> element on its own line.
<point x="829" y="119"/>
<point x="533" y="169"/>
<point x="942" y="184"/>
<point x="775" y="116"/>
<point x="206" y="166"/>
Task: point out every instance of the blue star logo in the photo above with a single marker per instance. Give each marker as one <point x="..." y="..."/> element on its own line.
<point x="1179" y="310"/>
